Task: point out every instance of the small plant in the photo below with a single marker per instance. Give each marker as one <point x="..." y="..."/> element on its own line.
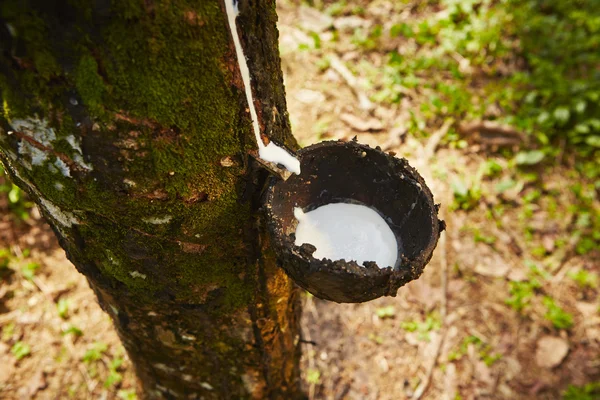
<point x="590" y="391"/>
<point x="559" y="317"/>
<point x="17" y="200"/>
<point x="481" y="238"/>
<point x="28" y="271"/>
<point x="485" y="351"/>
<point x="94" y="353"/>
<point x="114" y="377"/>
<point x="73" y="330"/>
<point x="386" y="312"/>
<point x="584" y="279"/>
<point x="127" y="394"/>
<point x="63" y="308"/>
<point x="313" y="376"/>
<point x="20" y="350"/>
<point x="529" y="157"/>
<point x="5" y="257"/>
<point x="432" y="322"/>
<point x="465" y="198"/>
<point x="521" y="294"/>
<point x="8" y="331"/>
<point x="491" y="169"/>
<point x="376" y="338"/>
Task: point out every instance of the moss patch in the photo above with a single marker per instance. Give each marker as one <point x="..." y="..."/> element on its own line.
<point x="89" y="84"/>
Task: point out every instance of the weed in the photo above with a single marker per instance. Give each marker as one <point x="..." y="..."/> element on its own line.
<point x="521" y="294"/>
<point x="555" y="314"/>
<point x="376" y="338"/>
<point x="590" y="391"/>
<point x="465" y="198"/>
<point x="94" y="353"/>
<point x="20" y="350"/>
<point x="313" y="376"/>
<point x="18" y="201"/>
<point x="432" y="322"/>
<point x="482" y="238"/>
<point x="484" y="350"/>
<point x="73" y="330"/>
<point x="8" y="331"/>
<point x="386" y="312"/>
<point x="127" y="394"/>
<point x="114" y="377"/>
<point x="28" y="271"/>
<point x="63" y="308"/>
<point x="584" y="279"/>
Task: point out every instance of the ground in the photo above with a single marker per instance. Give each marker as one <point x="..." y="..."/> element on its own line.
<point x="508" y="308"/>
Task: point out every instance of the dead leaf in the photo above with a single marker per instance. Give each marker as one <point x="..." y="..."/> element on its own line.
<point x="350" y="23"/>
<point x="588" y="310"/>
<point x="8" y="367"/>
<point x="424" y="293"/>
<point x="312" y="20"/>
<point x="308" y="96"/>
<point x="517" y="275"/>
<point x="548" y="243"/>
<point x="492" y="265"/>
<point x="360" y="124"/>
<point x="551" y="351"/>
<point x="36" y="383"/>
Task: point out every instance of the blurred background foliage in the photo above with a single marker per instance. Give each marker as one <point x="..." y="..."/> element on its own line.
<point x="534" y="64"/>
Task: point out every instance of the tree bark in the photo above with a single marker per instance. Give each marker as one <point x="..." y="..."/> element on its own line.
<point x="127" y="123"/>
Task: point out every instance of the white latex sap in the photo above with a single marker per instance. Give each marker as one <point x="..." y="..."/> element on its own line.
<point x="349" y="232"/>
<point x="270" y="152"/>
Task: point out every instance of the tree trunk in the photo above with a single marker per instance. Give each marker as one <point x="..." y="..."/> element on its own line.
<point x="127" y="123"/>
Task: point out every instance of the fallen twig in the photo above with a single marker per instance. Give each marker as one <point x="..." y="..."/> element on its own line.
<point x="434" y="141"/>
<point x="492" y="133"/>
<point x="338" y="66"/>
<point x="443" y="311"/>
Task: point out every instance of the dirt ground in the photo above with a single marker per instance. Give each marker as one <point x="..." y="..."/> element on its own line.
<point x="497" y="313"/>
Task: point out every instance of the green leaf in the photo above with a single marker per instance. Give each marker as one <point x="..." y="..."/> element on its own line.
<point x="386" y="312"/>
<point x="529" y="157"/>
<point x="94" y="353"/>
<point x="28" y="270"/>
<point x="559" y="317"/>
<point x="580" y="106"/>
<point x="313" y="376"/>
<point x="401" y="29"/>
<point x="593" y="140"/>
<point x="20" y="350"/>
<point x="75" y="331"/>
<point x="459" y="188"/>
<point x="63" y="308"/>
<point x="505" y="185"/>
<point x="316" y="39"/>
<point x="14" y="196"/>
<point x="562" y="115"/>
<point x="127" y="394"/>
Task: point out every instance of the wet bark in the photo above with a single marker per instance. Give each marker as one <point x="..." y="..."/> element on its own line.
<point x="127" y="123"/>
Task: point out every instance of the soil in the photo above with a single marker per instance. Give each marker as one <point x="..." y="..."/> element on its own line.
<point x="448" y="335"/>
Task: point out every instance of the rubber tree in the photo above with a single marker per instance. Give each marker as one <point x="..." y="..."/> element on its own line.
<point x="126" y="122"/>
